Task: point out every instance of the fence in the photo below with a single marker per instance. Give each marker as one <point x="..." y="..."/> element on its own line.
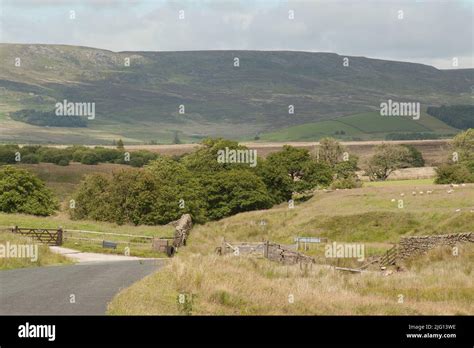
<point x="43" y="235"/>
<point x="140" y="243"/>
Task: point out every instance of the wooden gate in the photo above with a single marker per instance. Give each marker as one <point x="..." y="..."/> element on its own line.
<point x="43" y="235"/>
<point x="390" y="257"/>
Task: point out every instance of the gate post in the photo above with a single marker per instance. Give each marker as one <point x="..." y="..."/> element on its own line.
<point x="59" y="240"/>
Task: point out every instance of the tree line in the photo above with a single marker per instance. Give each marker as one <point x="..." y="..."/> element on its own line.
<point x="13" y="154"/>
<point x="198" y="184"/>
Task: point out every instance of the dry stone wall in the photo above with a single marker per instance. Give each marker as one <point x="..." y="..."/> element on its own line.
<point x="182" y="228"/>
<point x="415" y="245"/>
<point x="279" y="253"/>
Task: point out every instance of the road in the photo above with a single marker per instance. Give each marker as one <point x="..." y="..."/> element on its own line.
<point x="49" y="290"/>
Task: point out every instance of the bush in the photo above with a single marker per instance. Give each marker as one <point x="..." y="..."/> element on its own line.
<point x="52" y="155"/>
<point x="453" y="174"/>
<point x="107" y="155"/>
<point x="63" y="162"/>
<point x="30" y="158"/>
<point x="141" y="158"/>
<point x="7" y="154"/>
<point x="461" y="171"/>
<point x="90" y="158"/>
<point x="346" y="183"/>
<point x="22" y="192"/>
<point x="414" y="158"/>
<point x="25" y="150"/>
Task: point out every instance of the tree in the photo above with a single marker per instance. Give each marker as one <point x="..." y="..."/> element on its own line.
<point x="330" y="151"/>
<point x="176" y="138"/>
<point x="386" y="159"/>
<point x="120" y="144"/>
<point x="91" y="199"/>
<point x="303" y="171"/>
<point x="460" y="166"/>
<point x="22" y="192"/>
<point x="204" y="160"/>
<point x="463" y="145"/>
<point x="292" y="160"/>
<point x="151" y="196"/>
<point x="276" y="179"/>
<point x="235" y="191"/>
<point x="415" y="157"/>
<point x="189" y="193"/>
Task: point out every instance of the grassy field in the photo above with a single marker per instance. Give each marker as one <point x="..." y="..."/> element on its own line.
<point x="61" y="220"/>
<point x="364" y="126"/>
<point x="438" y="283"/>
<point x="45" y="256"/>
<point x="64" y="179"/>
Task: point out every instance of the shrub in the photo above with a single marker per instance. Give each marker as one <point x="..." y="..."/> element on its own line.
<point x="453" y="174"/>
<point x="30" y="158"/>
<point x="22" y="192"/>
<point x="141" y="158"/>
<point x="63" y="162"/>
<point x="107" y="155"/>
<point x="414" y="158"/>
<point x="52" y="155"/>
<point x="7" y="154"/>
<point x="90" y="158"/>
<point x="346" y="183"/>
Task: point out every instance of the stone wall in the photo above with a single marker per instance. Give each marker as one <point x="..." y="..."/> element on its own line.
<point x="271" y="251"/>
<point x="415" y="245"/>
<point x="279" y="253"/>
<point x="182" y="228"/>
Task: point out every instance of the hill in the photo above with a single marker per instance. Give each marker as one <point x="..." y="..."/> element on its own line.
<point x="436" y="284"/>
<point x="364" y="126"/>
<point x="141" y="102"/>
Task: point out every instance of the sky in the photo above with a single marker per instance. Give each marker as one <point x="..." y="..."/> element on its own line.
<point x="434" y="32"/>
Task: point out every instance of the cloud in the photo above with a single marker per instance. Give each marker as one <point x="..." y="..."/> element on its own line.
<point x="430" y="32"/>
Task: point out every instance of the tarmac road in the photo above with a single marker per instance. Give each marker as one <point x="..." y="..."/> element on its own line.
<point x="49" y="290"/>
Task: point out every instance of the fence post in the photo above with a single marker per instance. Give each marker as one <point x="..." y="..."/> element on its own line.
<point x="265" y="250"/>
<point x="59" y="240"/>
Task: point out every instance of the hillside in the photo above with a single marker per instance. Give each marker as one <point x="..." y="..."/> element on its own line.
<point x="437" y="283"/>
<point x="364" y="126"/>
<point x="140" y="102"/>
